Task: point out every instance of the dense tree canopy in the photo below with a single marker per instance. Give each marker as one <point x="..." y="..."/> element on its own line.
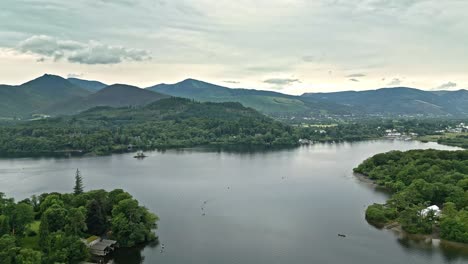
<point x="65" y="220"/>
<point x="167" y="123"/>
<point x="419" y="178"/>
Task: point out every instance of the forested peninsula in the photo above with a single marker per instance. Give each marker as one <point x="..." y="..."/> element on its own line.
<point x="419" y="179"/>
<point x="60" y="227"/>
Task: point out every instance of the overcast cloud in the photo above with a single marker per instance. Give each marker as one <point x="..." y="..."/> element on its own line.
<point x="144" y="42"/>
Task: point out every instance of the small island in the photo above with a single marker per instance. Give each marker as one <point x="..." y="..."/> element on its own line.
<point x="421" y="182"/>
<point x="71" y="227"/>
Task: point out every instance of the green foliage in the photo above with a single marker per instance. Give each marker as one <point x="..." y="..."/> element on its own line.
<point x="419" y="178"/>
<point x="413" y="222"/>
<point x="21" y="217"/>
<point x="76" y="221"/>
<point x="455" y="227"/>
<point x="10" y="253"/>
<point x="379" y="214"/>
<point x="29" y="256"/>
<point x="172" y="122"/>
<point x="64" y="219"/>
<point x="96" y="219"/>
<point x="132" y="224"/>
<point x="63" y="248"/>
<point x="8" y="249"/>
<point x="78" y="189"/>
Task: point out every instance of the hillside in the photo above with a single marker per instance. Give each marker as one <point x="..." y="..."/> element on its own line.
<point x="167" y="123"/>
<point x="116" y="95"/>
<point x="263" y="101"/>
<point x="399" y="101"/>
<point x="92" y="86"/>
<point x="28" y="98"/>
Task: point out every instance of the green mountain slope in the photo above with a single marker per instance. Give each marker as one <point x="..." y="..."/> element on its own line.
<point x="263" y="101"/>
<point x="28" y="98"/>
<point x="116" y="95"/>
<point x="92" y="86"/>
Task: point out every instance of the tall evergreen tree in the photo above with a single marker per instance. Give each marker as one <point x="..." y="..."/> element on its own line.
<point x="78" y="189"/>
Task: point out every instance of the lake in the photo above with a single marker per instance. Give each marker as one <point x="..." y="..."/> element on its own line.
<point x="283" y="206"/>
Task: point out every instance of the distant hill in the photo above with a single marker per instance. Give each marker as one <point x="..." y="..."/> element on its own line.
<point x="54" y="95"/>
<point x="264" y="101"/>
<point x="92" y="86"/>
<point x="25" y="99"/>
<point x="399" y="101"/>
<point x="116" y="95"/>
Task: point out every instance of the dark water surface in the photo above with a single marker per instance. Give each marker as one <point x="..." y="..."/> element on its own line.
<point x="268" y="207"/>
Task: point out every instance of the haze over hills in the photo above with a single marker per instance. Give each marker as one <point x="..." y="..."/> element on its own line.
<point x="400" y="101"/>
<point x="116" y="95"/>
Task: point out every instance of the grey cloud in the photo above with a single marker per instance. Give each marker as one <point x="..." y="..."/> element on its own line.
<point x="267" y="68"/>
<point x="119" y="2"/>
<point x="47" y="46"/>
<point x="74" y="75"/>
<point x="92" y="52"/>
<point x="447" y="85"/>
<point x="356" y="75"/>
<point x="42" y="59"/>
<point x="354" y="80"/>
<point x="281" y="81"/>
<point x="394" y="82"/>
<point x="234" y="82"/>
<point x="308" y="58"/>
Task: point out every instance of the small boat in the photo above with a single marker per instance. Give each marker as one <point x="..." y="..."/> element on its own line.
<point x="140" y="155"/>
<point x="341" y="235"/>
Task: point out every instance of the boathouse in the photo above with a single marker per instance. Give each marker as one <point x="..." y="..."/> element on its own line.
<point x="102" y="247"/>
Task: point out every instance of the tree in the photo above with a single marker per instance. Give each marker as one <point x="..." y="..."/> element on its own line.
<point x="29" y="256"/>
<point x="21" y="217"/>
<point x="76" y="221"/>
<point x="61" y="248"/>
<point x="95" y="219"/>
<point x="78" y="189"/>
<point x="4" y="225"/>
<point x="8" y="249"/>
<point x="132" y="224"/>
<point x="52" y="220"/>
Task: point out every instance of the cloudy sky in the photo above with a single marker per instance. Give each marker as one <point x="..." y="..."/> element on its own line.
<point x="292" y="46"/>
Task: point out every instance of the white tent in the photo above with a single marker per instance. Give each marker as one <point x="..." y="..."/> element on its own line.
<point x="433" y="208"/>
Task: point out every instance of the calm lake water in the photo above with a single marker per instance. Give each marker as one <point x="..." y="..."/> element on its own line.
<point x="267" y="207"/>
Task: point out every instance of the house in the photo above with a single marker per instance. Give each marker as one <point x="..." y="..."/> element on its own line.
<point x="433" y="208"/>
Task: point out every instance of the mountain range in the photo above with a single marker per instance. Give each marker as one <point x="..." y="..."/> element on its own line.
<point x="54" y="95"/>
